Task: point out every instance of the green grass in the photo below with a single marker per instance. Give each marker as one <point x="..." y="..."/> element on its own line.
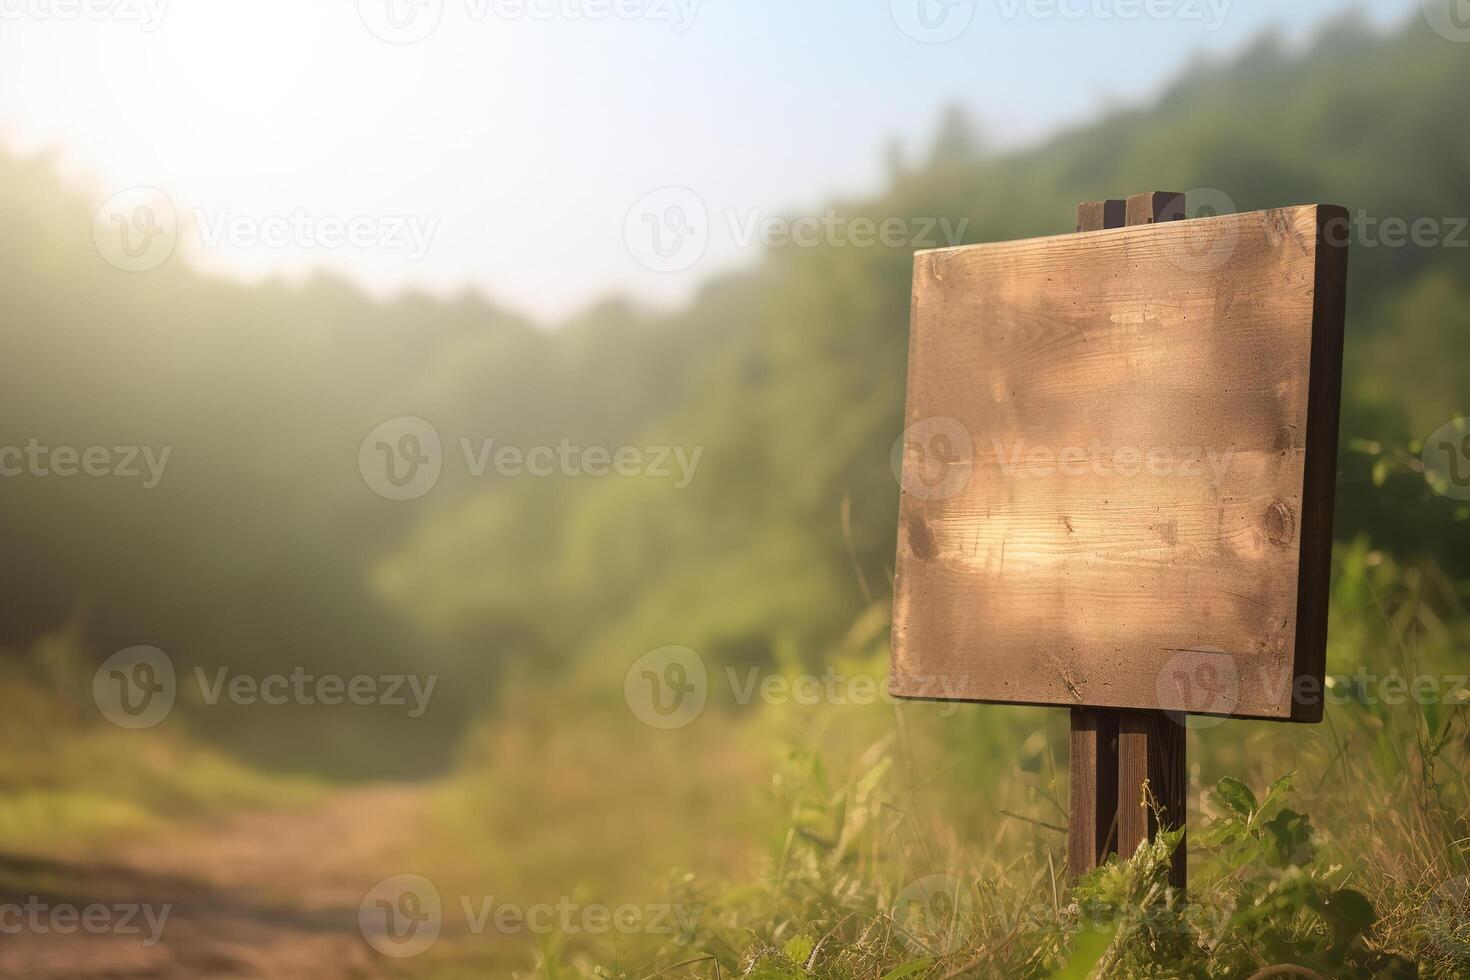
<point x="912" y="841"/>
<point x="72" y="785"/>
<point x="882" y="841"/>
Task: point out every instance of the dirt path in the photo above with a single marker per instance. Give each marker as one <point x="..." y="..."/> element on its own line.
<point x="271" y="894"/>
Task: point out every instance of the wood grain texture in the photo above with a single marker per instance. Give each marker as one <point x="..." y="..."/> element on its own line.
<point x="1152" y="784"/>
<point x="1151" y="207"/>
<point x="1112" y="438"/>
<point x="1097" y="215"/>
<point x="1093" y="772"/>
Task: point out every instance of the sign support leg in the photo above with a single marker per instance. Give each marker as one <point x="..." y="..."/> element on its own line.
<point x="1127" y="768"/>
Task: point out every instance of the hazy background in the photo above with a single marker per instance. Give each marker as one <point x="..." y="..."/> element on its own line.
<point x="550" y="219"/>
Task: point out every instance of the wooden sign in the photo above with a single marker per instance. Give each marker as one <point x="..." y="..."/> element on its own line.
<point x="1118" y="467"/>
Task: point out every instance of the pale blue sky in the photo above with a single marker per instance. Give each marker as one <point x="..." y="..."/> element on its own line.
<point x="525" y="140"/>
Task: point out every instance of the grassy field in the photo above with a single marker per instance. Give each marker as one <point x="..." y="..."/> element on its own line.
<point x="849" y="840"/>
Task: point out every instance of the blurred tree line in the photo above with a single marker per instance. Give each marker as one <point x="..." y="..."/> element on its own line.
<point x="263" y="548"/>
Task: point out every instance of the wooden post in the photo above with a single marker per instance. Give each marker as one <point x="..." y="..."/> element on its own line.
<point x="1125" y="765"/>
<point x="1093" y="833"/>
<point x="1151" y="746"/>
<point x="1151" y="776"/>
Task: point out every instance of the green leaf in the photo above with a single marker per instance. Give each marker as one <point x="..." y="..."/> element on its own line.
<point x="908" y="969"/>
<point x="767" y="969"/>
<point x="1289" y="835"/>
<point x="1237" y="796"/>
<point x="1091" y="947"/>
<point x="1278" y="788"/>
<point x="798" y="949"/>
<point x="1380" y="472"/>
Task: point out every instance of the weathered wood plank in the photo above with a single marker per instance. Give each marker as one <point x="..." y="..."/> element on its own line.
<point x="1139" y="438"/>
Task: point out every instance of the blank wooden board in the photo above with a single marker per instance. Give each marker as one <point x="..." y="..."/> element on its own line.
<point x="1118" y="467"/>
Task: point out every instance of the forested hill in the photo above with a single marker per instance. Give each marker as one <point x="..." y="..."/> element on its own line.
<point x="263" y="544"/>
